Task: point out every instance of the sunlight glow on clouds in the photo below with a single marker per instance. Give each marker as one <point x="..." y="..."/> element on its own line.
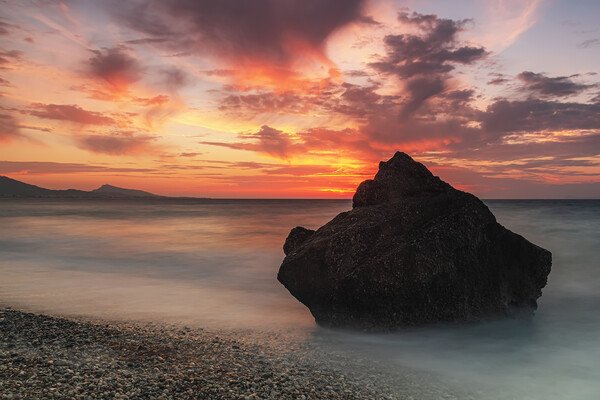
<point x="286" y="98"/>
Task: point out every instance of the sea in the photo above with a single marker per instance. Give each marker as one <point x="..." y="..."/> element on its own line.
<point x="213" y="264"/>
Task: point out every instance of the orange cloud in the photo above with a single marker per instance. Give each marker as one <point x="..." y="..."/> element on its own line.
<point x="271" y="44"/>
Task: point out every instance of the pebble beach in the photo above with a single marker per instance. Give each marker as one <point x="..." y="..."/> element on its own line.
<point x="47" y="357"/>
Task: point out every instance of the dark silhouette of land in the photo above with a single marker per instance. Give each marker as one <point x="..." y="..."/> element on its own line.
<point x="13" y="188"/>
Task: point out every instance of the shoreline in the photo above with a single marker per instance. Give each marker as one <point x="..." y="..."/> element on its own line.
<point x="50" y="357"/>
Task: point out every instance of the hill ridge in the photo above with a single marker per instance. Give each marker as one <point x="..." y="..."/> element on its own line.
<point x="10" y="187"/>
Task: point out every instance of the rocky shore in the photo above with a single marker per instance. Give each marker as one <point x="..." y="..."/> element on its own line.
<point x="46" y="357"/>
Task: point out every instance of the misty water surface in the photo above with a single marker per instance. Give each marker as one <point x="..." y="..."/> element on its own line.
<point x="214" y="264"/>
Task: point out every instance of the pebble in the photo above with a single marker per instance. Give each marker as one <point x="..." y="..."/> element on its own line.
<point x="45" y="357"/>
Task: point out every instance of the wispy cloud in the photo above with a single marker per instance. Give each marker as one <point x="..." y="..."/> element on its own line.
<point x="552" y="86"/>
<point x="69" y="112"/>
<point x="118" y="144"/>
<point x="44" y="168"/>
<point x="506" y="20"/>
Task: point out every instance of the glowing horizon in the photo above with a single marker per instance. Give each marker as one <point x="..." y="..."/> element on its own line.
<point x="286" y="99"/>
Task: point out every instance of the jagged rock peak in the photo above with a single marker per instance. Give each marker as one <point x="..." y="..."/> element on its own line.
<point x="398" y="178"/>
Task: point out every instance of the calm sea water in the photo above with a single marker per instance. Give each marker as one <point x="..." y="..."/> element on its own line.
<point x="214" y="264"/>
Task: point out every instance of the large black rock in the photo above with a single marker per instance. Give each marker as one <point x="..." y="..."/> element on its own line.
<point x="413" y="250"/>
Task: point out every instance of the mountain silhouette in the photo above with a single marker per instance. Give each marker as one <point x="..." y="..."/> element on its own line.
<point x="13" y="188"/>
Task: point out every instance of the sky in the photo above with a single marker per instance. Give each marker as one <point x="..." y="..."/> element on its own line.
<point x="300" y="98"/>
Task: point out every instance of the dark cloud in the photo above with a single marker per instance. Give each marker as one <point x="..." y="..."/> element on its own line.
<point x="551" y="86"/>
<point x="497" y="81"/>
<point x="119" y="68"/>
<point x="146" y="41"/>
<point x="557" y="151"/>
<point x="534" y="115"/>
<point x="425" y="60"/>
<point x="367" y="19"/>
<point x="356" y="73"/>
<point x="360" y="94"/>
<point x="589" y="43"/>
<point x="265" y="30"/>
<point x="466" y="129"/>
<point x="420" y="90"/>
<point x="117" y="144"/>
<point x="497" y="78"/>
<point x="505" y="129"/>
<point x="360" y="101"/>
<point x="348" y="99"/>
<point x="267" y="102"/>
<point x="456" y="104"/>
<point x="4" y="82"/>
<point x="73" y="113"/>
<point x="464" y="95"/>
<point x="115" y="66"/>
<point x="490" y="186"/>
<point x="433" y="52"/>
<point x="500" y="130"/>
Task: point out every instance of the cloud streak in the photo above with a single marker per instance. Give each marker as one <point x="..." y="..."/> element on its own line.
<point x="68" y="112"/>
<point x="117" y="144"/>
<point x="44" y="168"/>
<point x="552" y="86"/>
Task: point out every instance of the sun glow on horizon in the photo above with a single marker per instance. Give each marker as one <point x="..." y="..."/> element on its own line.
<point x="296" y="100"/>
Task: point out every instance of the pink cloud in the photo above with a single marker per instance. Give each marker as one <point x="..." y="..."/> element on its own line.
<point x="118" y="144"/>
<point x="66" y="112"/>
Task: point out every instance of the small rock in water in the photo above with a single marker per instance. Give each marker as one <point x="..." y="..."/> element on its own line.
<point x="413" y="250"/>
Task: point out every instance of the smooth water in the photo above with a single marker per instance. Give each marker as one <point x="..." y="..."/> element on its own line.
<point x="214" y="264"/>
<point x="208" y="263"/>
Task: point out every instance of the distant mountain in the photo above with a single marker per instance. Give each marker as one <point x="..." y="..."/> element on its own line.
<point x="113" y="191"/>
<point x="13" y="188"/>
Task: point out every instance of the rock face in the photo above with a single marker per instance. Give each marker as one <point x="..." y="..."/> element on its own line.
<point x="413" y="250"/>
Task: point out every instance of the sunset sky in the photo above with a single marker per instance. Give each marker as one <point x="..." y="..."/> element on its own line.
<point x="300" y="98"/>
